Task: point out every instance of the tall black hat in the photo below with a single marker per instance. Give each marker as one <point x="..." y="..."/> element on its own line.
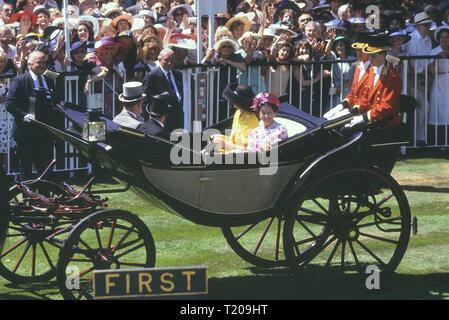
<point x="160" y="104"/>
<point x="239" y="95"/>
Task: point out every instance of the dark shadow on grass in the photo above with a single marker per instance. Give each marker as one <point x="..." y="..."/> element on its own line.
<point x="425" y="189"/>
<point x="279" y="284"/>
<point x="30" y="291"/>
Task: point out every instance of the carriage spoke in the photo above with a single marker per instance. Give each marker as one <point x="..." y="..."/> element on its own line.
<point x="241" y="234"/>
<point x="313" y="213"/>
<point x="278" y="235"/>
<point x="354" y="255"/>
<point x="123" y="239"/>
<point x="24" y="252"/>
<point x="33" y="259"/>
<point x="111" y="234"/>
<point x="328" y="262"/>
<point x="371" y="253"/>
<point x="13" y="247"/>
<point x="129" y="250"/>
<point x="97" y="232"/>
<point x="342" y="260"/>
<point x="47" y="256"/>
<point x="379" y="238"/>
<point x="262" y="237"/>
<point x="320" y="205"/>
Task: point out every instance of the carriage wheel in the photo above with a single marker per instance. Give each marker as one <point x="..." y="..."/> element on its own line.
<point x="107" y="239"/>
<point x="29" y="251"/>
<point x="344" y="222"/>
<point x="258" y="243"/>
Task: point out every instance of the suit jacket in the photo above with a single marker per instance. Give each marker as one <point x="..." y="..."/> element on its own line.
<point x="128" y="119"/>
<point x="383" y="100"/>
<point x="153" y="128"/>
<point x="18" y="101"/>
<point x="155" y="83"/>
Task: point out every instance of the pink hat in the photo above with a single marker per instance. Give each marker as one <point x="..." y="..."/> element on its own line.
<point x="263" y="98"/>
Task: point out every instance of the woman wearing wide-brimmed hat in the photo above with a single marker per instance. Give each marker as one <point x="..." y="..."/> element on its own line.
<point x="245" y="120"/>
<point x="26" y="21"/>
<point x="123" y="23"/>
<point x="238" y="25"/>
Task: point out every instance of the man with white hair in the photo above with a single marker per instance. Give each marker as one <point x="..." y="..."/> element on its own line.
<point x="163" y="79"/>
<point x="6" y="11"/>
<point x="30" y="97"/>
<point x="5" y="42"/>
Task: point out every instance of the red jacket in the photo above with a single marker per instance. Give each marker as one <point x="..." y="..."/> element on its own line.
<point x="382" y="100"/>
<point x="359" y="89"/>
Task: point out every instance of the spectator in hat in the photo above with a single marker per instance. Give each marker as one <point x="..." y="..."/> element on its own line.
<point x="438" y="118"/>
<point x="140" y="5"/>
<point x="339" y="48"/>
<point x="302" y="21"/>
<point x="396" y="40"/>
<point x="151" y="47"/>
<point x="131" y="99"/>
<point x="279" y="73"/>
<point x="122" y="23"/>
<point x="420" y="44"/>
<point x="159" y="109"/>
<point x="238" y="25"/>
<point x="26" y="22"/>
<point x="127" y="53"/>
<point x="180" y="14"/>
<point x="84" y="32"/>
<point x="268" y="8"/>
<point x="43" y="18"/>
<point x="159" y="9"/>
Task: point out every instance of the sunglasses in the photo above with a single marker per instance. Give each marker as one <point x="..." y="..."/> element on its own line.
<point x="159" y="8"/>
<point x="179" y="13"/>
<point x="306" y="20"/>
<point x="80" y="52"/>
<point x="226" y="47"/>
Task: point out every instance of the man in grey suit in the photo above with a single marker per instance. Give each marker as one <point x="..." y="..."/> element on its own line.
<point x="131" y="99"/>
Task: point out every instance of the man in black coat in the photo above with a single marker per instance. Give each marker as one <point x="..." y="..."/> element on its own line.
<point x="165" y="79"/>
<point x="158" y="112"/>
<point x="34" y="144"/>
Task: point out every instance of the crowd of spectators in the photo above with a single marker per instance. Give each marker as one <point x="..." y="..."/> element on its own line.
<point x="125" y="37"/>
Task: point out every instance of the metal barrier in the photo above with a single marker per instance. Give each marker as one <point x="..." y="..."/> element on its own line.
<point x="292" y="82"/>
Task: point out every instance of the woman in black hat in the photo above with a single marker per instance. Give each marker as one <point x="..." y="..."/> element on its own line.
<point x="245" y="120"/>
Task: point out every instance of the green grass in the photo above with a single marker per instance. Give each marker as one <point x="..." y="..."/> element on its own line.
<point x="422" y="274"/>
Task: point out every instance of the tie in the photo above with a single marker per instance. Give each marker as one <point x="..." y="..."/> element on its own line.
<point x="41" y="83"/>
<point x="170" y="77"/>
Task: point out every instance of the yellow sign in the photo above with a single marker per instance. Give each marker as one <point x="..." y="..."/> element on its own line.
<point x="150" y="282"/>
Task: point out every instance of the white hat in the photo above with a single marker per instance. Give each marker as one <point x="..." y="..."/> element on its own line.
<point x="132" y="92"/>
<point x="246" y="35"/>
<point x="224" y="40"/>
<point x="421" y="18"/>
<point x="93" y="21"/>
<point x="139" y="23"/>
<point x="437" y="32"/>
<point x="188" y="44"/>
<point x="111" y="7"/>
<point x="282" y="27"/>
<point x="183" y="6"/>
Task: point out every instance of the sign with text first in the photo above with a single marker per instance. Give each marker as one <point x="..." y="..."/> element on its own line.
<point x="150" y="282"/>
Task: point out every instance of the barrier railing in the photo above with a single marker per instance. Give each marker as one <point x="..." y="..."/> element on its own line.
<point x="425" y="77"/>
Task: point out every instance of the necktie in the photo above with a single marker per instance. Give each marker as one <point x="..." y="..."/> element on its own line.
<point x="170" y="80"/>
<point x="41" y="83"/>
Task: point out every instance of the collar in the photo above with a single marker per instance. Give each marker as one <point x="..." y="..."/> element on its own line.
<point x="364" y="65"/>
<point x="418" y="36"/>
<point x="378" y="70"/>
<point x="161" y="124"/>
<point x="33" y="75"/>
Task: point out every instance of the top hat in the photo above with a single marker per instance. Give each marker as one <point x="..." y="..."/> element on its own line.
<point x="160" y="104"/>
<point x="132" y="92"/>
<point x="376" y="43"/>
<point x="240" y="95"/>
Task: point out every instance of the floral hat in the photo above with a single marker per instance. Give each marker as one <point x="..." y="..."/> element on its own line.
<point x="265" y="98"/>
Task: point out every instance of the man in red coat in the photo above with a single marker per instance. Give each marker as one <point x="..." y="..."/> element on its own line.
<point x="359" y="85"/>
<point x="381" y="101"/>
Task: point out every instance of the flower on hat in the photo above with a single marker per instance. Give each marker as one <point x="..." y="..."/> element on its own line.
<point x="264" y="98"/>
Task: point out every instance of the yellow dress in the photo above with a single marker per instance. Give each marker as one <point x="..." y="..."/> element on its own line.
<point x="243" y="123"/>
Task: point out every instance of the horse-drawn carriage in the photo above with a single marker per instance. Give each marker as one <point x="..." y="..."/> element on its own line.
<point x="321" y="202"/>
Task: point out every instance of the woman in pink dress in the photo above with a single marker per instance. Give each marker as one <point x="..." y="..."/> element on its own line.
<point x="269" y="132"/>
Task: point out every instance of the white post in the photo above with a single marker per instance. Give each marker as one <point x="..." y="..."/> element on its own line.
<point x="67" y="32"/>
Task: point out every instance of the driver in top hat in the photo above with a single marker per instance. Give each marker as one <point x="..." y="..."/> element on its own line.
<point x="380" y="96"/>
<point x="131" y="98"/>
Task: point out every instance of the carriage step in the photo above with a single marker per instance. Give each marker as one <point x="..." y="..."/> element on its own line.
<point x="415" y="225"/>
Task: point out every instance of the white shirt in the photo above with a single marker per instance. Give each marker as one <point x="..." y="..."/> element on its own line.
<point x="418" y="46"/>
<point x="363" y="66"/>
<point x="11" y="52"/>
<point x="377" y="71"/>
<point x="36" y="80"/>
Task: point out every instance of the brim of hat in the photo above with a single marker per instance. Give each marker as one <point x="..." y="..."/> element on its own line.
<point x="405" y="37"/>
<point x="370" y="50"/>
<point x="246" y="24"/>
<point x="222" y="41"/>
<point x="181" y="6"/>
<point x="358" y="45"/>
<point x="16" y="16"/>
<point x="236" y="100"/>
<point x="116" y="20"/>
<point x="122" y="99"/>
<point x="423" y="22"/>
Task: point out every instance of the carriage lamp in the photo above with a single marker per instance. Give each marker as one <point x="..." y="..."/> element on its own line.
<point x="94" y="129"/>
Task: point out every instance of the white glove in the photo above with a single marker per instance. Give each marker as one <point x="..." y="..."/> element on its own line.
<point x="341" y="113"/>
<point x="330" y="114"/>
<point x="28" y="117"/>
<point x="357" y="120"/>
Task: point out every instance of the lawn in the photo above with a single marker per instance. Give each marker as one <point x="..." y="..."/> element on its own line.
<point x="422" y="274"/>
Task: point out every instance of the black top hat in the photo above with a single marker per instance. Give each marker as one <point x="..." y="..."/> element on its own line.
<point x="160" y="104"/>
<point x="376" y="43"/>
<point x="240" y="95"/>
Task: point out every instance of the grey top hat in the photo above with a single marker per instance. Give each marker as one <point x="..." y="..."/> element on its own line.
<point x="132" y="92"/>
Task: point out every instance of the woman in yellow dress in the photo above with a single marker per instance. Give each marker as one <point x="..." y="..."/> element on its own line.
<point x="245" y="119"/>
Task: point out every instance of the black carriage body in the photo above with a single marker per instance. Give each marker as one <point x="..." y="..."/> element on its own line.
<point x="226" y="194"/>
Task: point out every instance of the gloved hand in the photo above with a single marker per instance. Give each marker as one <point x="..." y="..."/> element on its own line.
<point x="356" y="121"/>
<point x="341" y="113"/>
<point x="332" y="112"/>
<point x="28" y="117"/>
